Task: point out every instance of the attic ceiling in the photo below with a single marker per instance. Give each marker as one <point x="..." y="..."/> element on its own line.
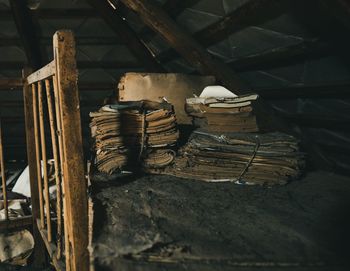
<point x="280" y="45"/>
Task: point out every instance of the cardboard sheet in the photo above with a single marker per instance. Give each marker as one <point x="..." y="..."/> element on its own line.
<point x="175" y="88"/>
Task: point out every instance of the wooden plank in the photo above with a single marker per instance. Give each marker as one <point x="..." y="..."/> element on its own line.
<point x="43" y="73"/>
<point x="74" y="175"/>
<point x="37" y="151"/>
<point x="185" y="45"/>
<point x="81" y="41"/>
<point x="44" y="160"/>
<point x="51" y="249"/>
<point x="252" y="12"/>
<point x="11" y="83"/>
<point x="126" y="33"/>
<point x="116" y="65"/>
<point x="61" y="167"/>
<point x="39" y="251"/>
<point x="3" y="176"/>
<point x="57" y="166"/>
<point x="173" y="8"/>
<point x="83" y="86"/>
<point x="26" y="30"/>
<point x="17" y="223"/>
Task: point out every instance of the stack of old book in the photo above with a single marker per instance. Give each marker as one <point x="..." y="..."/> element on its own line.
<point x="228" y="114"/>
<point x="243" y="158"/>
<point x="132" y="133"/>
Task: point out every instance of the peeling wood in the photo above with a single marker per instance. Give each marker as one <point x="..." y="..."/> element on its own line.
<point x="43" y="73"/>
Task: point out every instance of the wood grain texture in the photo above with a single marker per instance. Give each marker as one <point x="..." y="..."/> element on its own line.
<point x="184" y="44"/>
<point x="74" y="175"/>
<point x="39" y="256"/>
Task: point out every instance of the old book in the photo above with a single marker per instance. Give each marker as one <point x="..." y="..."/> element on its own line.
<point x="224" y="114"/>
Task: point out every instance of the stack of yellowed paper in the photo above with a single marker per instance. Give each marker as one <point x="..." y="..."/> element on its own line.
<point x="226" y="114"/>
<point x="134" y="133"/>
<point x="243" y="158"/>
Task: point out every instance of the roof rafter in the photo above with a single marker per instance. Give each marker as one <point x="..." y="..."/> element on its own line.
<point x="124" y="31"/>
<point x="191" y="50"/>
<point x="173" y="8"/>
<point x="250" y="13"/>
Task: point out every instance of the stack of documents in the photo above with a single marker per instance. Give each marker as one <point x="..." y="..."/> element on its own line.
<point x="243" y="158"/>
<point x="134" y="133"/>
<point x="226" y="114"/>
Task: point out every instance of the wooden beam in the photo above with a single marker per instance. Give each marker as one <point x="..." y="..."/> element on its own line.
<point x="43" y="73"/>
<point x="81" y="41"/>
<point x="126" y="33"/>
<point x="191" y="50"/>
<point x="52" y="13"/>
<point x="252" y="12"/>
<point x="95" y="102"/>
<point x="16" y="84"/>
<point x="18" y="223"/>
<point x="173" y="8"/>
<point x="26" y="30"/>
<point x="117" y="65"/>
<point x="11" y="83"/>
<point x="282" y="56"/>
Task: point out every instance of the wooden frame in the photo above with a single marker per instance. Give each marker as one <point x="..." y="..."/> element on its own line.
<point x="52" y="102"/>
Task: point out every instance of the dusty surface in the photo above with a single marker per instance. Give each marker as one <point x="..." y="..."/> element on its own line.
<point x="166" y="223"/>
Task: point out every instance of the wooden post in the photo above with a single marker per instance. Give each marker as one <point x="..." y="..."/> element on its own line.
<point x="3" y="177"/>
<point x="184" y="44"/>
<point x="74" y="176"/>
<point x="39" y="254"/>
